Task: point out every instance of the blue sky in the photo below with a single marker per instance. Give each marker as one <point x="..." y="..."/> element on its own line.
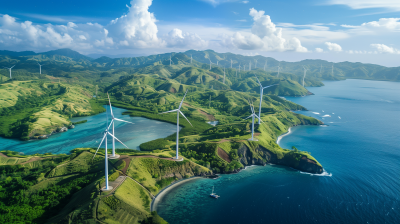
<point x="335" y="30"/>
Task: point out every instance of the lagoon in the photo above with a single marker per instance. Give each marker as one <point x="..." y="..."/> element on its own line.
<point x="89" y="134"/>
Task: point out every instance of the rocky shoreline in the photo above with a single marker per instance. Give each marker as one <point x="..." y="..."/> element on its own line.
<point x="58" y="130"/>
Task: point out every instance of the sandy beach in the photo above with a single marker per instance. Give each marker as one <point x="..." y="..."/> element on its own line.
<point x="164" y="191"/>
<point x="281" y="136"/>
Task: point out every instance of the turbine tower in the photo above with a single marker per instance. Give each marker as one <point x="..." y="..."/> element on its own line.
<point x="261" y="96"/>
<point x="113" y="119"/>
<point x="305" y="70"/>
<point x="224" y="75"/>
<point x="217" y="62"/>
<point x="253" y="115"/>
<point x="178" y="111"/>
<point x="255" y="65"/>
<point x="170" y="60"/>
<point x="244" y="67"/>
<point x="40" y="68"/>
<point x="106" y="132"/>
<point x="231" y="63"/>
<point x="10" y="70"/>
<point x="210" y="63"/>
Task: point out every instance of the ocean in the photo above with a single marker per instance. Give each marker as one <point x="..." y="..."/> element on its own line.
<point x="359" y="148"/>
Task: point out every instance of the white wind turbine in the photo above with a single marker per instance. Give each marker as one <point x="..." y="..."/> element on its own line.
<point x="170" y="61"/>
<point x="217" y="62"/>
<point x="261" y="96"/>
<point x="253" y="115"/>
<point x="106" y="132"/>
<point x="40" y="68"/>
<point x="178" y="111"/>
<point x="113" y="119"/>
<point x="305" y="70"/>
<point x="10" y="70"/>
<point x="249" y="66"/>
<point x="211" y="63"/>
<point x="255" y="65"/>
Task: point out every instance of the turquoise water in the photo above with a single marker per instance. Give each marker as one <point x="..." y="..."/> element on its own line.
<point x="89" y="134"/>
<point x="360" y="153"/>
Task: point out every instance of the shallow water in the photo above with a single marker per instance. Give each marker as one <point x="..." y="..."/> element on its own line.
<point x="360" y="152"/>
<point x="89" y="134"/>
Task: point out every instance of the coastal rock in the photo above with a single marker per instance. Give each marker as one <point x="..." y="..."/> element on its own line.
<point x="262" y="156"/>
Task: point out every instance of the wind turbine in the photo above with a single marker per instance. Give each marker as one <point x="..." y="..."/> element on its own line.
<point x="106" y="132"/>
<point x="113" y="119"/>
<point x="40" y="68"/>
<point x="255" y="65"/>
<point x="10" y="70"/>
<point x="261" y="96"/>
<point x="253" y="115"/>
<point x="170" y="60"/>
<point x="305" y="70"/>
<point x="231" y="63"/>
<point x="224" y="75"/>
<point x="217" y="62"/>
<point x="211" y="63"/>
<point x="178" y="111"/>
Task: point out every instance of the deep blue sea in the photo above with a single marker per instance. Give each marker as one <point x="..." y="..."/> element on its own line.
<point x="89" y="134"/>
<point x="359" y="149"/>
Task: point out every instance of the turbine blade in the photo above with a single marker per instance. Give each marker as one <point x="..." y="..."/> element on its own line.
<point x="269" y="86"/>
<point x="258" y="80"/>
<point x="169" y="111"/>
<point x="117" y="139"/>
<point x="186" y="118"/>
<point x="180" y="105"/>
<point x="112" y="120"/>
<point x="110" y="105"/>
<point x="105" y="135"/>
<point x="248" y="117"/>
<point x="12" y="67"/>
<point x="259" y="118"/>
<point x="123" y="121"/>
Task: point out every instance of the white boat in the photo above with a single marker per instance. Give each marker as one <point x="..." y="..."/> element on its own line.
<point x="213" y="195"/>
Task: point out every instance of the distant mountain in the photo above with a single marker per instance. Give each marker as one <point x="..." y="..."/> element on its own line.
<point x="68" y="53"/>
<point x="17" y="54"/>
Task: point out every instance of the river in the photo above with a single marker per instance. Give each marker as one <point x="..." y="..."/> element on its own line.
<point x="89" y="134"/>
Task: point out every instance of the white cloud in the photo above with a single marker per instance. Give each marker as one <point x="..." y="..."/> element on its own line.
<point x="217" y="2"/>
<point x="138" y="27"/>
<point x="319" y="50"/>
<point x="264" y="36"/>
<point x="392" y="5"/>
<point x="176" y="38"/>
<point x="381" y="48"/>
<point x="245" y="2"/>
<point x="333" y="46"/>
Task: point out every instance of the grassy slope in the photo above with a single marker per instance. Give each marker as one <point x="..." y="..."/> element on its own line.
<point x="57" y="103"/>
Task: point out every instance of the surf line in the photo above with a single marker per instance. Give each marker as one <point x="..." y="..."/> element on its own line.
<point x="281" y="136"/>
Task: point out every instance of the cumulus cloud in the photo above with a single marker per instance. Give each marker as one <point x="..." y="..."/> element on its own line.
<point x="319" y="50"/>
<point x="381" y="48"/>
<point x="176" y="38"/>
<point x="333" y="46"/>
<point x="264" y="36"/>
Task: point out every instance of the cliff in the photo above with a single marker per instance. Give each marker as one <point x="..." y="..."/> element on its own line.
<point x="260" y="155"/>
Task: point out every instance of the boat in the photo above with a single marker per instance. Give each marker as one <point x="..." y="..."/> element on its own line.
<point x="213" y="195"/>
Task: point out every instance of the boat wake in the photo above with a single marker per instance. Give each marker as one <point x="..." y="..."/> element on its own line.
<point x="315" y="112"/>
<point x="323" y="174"/>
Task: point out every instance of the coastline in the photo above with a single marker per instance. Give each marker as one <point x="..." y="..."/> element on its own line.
<point x="164" y="191"/>
<point x="283" y="135"/>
